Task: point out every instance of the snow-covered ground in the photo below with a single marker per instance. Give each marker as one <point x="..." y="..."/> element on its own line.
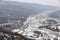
<point x="41" y="27"/>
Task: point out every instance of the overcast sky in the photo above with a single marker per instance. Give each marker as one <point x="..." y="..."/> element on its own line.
<point x="44" y="2"/>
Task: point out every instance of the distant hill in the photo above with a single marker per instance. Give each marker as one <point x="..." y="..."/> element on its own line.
<point x="14" y="8"/>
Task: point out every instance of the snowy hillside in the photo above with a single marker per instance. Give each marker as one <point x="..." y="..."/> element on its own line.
<point x="40" y="27"/>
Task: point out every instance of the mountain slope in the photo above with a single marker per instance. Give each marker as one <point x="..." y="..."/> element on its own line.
<point x="40" y="27"/>
<point x="14" y="8"/>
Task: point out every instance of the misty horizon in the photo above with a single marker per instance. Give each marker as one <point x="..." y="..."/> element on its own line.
<point x="42" y="2"/>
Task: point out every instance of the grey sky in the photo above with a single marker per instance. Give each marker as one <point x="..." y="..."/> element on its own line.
<point x="44" y="2"/>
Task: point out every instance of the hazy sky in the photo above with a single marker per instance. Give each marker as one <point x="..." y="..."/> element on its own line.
<point x="44" y="2"/>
